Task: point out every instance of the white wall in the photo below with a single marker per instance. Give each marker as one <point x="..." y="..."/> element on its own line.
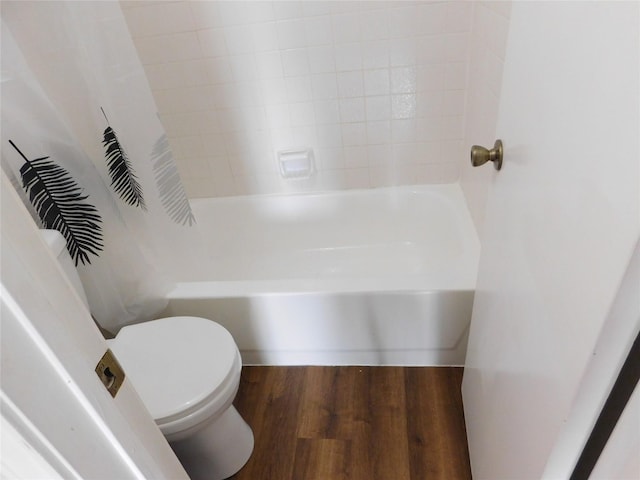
<point x="488" y="45"/>
<point x="376" y="88"/>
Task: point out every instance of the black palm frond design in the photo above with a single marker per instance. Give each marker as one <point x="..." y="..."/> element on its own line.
<point x="172" y="194"/>
<point x="123" y="178"/>
<point x="59" y="202"/>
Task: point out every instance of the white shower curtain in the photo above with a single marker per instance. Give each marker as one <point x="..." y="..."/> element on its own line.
<point x="81" y="138"/>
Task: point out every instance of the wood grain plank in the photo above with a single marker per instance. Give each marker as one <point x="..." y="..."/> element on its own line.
<point x="273" y="419"/>
<point x="357" y="423"/>
<point x="388" y="442"/>
<point x="322" y="459"/>
<point x="436" y="431"/>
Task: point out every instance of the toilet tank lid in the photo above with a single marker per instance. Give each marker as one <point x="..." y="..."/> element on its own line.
<point x="54" y="239"/>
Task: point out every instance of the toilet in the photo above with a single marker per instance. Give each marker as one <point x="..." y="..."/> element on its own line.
<point x="187" y="372"/>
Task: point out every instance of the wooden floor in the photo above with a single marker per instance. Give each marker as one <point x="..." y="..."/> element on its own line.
<point x="358" y="423"/>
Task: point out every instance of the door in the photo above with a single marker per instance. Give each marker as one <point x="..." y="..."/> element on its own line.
<point x="50" y="394"/>
<point x="561" y="223"/>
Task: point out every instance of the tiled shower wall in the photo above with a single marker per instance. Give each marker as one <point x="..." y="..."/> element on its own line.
<point x="377" y="89"/>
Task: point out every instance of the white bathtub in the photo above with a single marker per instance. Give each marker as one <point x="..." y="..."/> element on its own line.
<point x="368" y="277"/>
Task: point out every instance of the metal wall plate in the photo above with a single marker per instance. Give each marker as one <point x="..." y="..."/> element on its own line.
<point x="110" y="373"/>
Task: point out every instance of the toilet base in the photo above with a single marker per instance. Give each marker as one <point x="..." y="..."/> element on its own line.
<point x="218" y="450"/>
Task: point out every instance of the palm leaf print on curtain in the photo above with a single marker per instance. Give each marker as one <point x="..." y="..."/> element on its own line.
<point x="123" y="178"/>
<point x="172" y="195"/>
<point x="59" y="202"/>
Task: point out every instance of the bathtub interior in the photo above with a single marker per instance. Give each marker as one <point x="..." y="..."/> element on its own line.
<point x="380" y="277"/>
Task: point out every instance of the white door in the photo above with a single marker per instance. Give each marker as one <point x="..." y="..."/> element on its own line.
<point x="50" y="395"/>
<point x="561" y="223"/>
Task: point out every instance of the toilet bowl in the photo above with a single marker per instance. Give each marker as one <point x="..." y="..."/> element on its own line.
<point x="187" y="372"/>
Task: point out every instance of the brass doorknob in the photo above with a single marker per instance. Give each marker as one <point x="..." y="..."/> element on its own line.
<point x="480" y="155"/>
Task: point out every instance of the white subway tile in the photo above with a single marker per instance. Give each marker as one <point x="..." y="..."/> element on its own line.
<point x="281" y="138"/>
<point x="459" y="17"/>
<point x="379" y="155"/>
<point x="318" y="30"/>
<point x="433" y="18"/>
<point x="159" y="19"/>
<point x="378" y="108"/>
<point x="274" y="90"/>
<point x="376" y="88"/>
<point x="374" y="25"/>
<point x="213" y="144"/>
<point x="455" y="75"/>
<point x="452" y="127"/>
<point x="403" y="80"/>
<point x="278" y="116"/>
<point x="375" y="54"/>
<point x="188" y="147"/>
<point x="315" y="8"/>
<point x="430" y="49"/>
<point x="324" y="86"/>
<point x="212" y="42"/>
<point x="304" y="136"/>
<point x="429" y="129"/>
<point x="168" y="48"/>
<point x="346" y="27"/>
<point x="352" y="109"/>
<point x="295" y="62"/>
<point x="259" y="11"/>
<point x="376" y="82"/>
<point x="299" y="89"/>
<point x="405" y="153"/>
<point x="350" y="84"/>
<point x="326" y="112"/>
<point x="378" y="132"/>
<point x="404" y="21"/>
<point x="218" y="70"/>
<point x="287" y="9"/>
<point x="453" y="102"/>
<point x="207" y="122"/>
<point x="441" y="172"/>
<point x="355" y="156"/>
<point x="403" y="51"/>
<point x="356" y="178"/>
<point x="206" y="14"/>
<point x="239" y="39"/>
<point x="329" y="158"/>
<point x="403" y="106"/>
<point x="291" y="34"/>
<point x="243" y="67"/>
<point x="321" y="59"/>
<point x="348" y="57"/>
<point x="430" y="77"/>
<point x="456" y="47"/>
<point x="269" y="65"/>
<point x="234" y="13"/>
<point x="344" y="6"/>
<point x="354" y="134"/>
<point x="265" y="36"/>
<point x="429" y="152"/>
<point x="329" y="135"/>
<point x="301" y="114"/>
<point x="403" y="130"/>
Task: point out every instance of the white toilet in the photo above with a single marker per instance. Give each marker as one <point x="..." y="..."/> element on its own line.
<point x="187" y="372"/>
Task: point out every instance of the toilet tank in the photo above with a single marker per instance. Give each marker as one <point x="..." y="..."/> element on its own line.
<point x="58" y="245"/>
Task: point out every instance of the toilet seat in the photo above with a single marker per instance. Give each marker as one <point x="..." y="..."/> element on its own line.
<point x="156" y="355"/>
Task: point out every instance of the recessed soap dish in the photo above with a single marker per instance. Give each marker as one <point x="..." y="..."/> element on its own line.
<point x="296" y="163"/>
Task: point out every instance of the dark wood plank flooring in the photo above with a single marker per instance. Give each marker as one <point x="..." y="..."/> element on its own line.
<point x="356" y="423"/>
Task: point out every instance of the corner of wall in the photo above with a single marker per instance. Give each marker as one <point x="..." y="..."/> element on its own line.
<point x="486" y="59"/>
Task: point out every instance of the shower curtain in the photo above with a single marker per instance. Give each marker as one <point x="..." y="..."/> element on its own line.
<point x="82" y="143"/>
